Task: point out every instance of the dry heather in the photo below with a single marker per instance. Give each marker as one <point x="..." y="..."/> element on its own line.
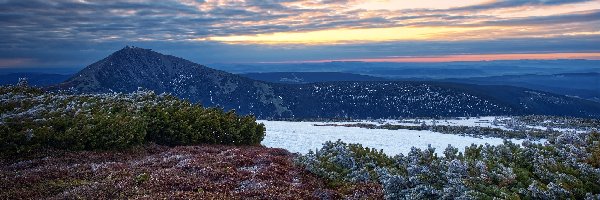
<point x="153" y="172"/>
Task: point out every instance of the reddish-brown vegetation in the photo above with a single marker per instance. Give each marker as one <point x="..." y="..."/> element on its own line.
<point x="151" y="172"/>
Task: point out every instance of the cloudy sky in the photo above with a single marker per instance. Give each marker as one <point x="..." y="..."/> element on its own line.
<point x="74" y="33"/>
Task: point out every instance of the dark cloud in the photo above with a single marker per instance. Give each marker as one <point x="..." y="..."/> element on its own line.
<point x="516" y="3"/>
<point x="71" y="33"/>
<point x="550" y="20"/>
<point x="185" y="20"/>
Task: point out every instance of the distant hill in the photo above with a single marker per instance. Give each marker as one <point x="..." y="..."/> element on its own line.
<point x="309" y="77"/>
<point x="131" y="67"/>
<point x="34" y="79"/>
<point x="583" y="85"/>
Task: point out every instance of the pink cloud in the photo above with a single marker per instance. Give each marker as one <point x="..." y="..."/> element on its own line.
<point x="15" y="62"/>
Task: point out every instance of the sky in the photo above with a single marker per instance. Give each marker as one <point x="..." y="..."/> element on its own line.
<point x="76" y="33"/>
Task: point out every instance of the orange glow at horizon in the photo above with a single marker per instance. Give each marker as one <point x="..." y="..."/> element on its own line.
<point x="391" y="34"/>
<point x="4" y="63"/>
<point x="345" y="35"/>
<point x="466" y="57"/>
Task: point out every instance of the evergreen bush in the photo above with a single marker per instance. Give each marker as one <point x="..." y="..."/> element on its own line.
<point x="31" y="118"/>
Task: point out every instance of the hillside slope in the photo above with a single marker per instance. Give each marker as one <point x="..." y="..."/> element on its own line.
<point x="583" y="85"/>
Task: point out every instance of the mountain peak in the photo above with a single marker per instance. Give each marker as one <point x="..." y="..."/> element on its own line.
<point x="127" y="47"/>
<point x="132" y="67"/>
<point x="129" y="50"/>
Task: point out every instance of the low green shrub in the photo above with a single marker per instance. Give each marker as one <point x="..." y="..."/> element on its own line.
<point x="183" y="123"/>
<point x="32" y="119"/>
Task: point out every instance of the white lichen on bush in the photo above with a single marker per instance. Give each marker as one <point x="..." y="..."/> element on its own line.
<point x="565" y="167"/>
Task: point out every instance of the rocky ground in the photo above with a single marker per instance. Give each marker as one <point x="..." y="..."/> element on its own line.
<point x="153" y="172"/>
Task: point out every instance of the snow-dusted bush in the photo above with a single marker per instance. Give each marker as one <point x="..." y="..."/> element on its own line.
<point x="564" y="167"/>
<point x="340" y="162"/>
<point x="31" y="118"/>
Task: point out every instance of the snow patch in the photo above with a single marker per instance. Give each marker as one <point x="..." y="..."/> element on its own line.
<point x="301" y="137"/>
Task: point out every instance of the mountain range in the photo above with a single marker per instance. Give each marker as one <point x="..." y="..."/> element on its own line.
<point x="131" y="68"/>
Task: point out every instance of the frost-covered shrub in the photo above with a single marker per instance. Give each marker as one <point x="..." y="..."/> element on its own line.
<point x="565" y="167"/>
<point x="340" y="162"/>
<point x="31" y="118"/>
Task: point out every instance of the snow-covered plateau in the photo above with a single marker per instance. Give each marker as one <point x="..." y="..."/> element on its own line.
<point x="301" y="137"/>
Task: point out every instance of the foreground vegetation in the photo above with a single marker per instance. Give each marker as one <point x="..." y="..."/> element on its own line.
<point x="139" y="146"/>
<point x="162" y="172"/>
<point x="33" y="119"/>
<point x="566" y="167"/>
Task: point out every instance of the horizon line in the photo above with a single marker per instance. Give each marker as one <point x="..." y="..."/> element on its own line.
<point x="456" y="58"/>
